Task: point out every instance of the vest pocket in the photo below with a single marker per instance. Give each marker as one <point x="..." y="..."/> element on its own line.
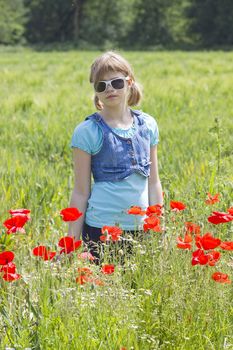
<point x="113" y="170"/>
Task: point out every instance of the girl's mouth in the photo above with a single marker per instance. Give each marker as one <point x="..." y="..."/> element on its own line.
<point x="111" y="96"/>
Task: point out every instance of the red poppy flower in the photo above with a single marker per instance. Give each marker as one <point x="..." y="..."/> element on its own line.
<point x="15" y="223"/>
<point x="152" y="223"/>
<point x="69" y="244"/>
<point x="199" y="257"/>
<point x="83" y="279"/>
<point x="6" y="257"/>
<point x="108" y="269"/>
<point x="226" y="245"/>
<point x="230" y="210"/>
<point x="221" y="277"/>
<point x="219" y="217"/>
<point x="43" y="252"/>
<point x="184" y="243"/>
<point x="70" y="214"/>
<point x="22" y="211"/>
<point x="84" y="271"/>
<point x="154" y="210"/>
<point x="207" y="241"/>
<point x="135" y="210"/>
<point x="80" y="279"/>
<point x="9" y="277"/>
<point x="177" y="206"/>
<point x="110" y="233"/>
<point x="9" y="268"/>
<point x="213" y="257"/>
<point x="84" y="275"/>
<point x="212" y="199"/>
<point x="192" y="228"/>
<point x="86" y="256"/>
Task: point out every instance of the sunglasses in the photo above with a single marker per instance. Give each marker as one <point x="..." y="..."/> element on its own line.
<point x="117" y="84"/>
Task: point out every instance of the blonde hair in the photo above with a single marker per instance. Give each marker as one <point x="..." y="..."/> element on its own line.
<point x="113" y="62"/>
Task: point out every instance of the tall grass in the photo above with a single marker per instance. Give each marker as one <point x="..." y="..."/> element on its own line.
<point x="158" y="300"/>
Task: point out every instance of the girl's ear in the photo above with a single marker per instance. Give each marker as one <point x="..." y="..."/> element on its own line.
<point x="130" y="82"/>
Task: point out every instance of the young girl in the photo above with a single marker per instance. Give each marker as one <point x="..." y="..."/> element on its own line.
<point x="118" y="146"/>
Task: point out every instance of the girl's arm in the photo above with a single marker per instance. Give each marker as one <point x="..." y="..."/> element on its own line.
<point x="82" y="189"/>
<point x="154" y="186"/>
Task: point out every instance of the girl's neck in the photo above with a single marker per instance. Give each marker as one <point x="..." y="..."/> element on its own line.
<point x="117" y="115"/>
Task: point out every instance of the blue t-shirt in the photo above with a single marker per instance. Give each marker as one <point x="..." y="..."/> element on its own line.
<point x="110" y="200"/>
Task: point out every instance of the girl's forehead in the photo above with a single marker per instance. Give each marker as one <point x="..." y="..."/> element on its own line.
<point x="111" y="75"/>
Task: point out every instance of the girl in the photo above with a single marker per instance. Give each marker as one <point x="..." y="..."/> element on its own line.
<point x="118" y="146"/>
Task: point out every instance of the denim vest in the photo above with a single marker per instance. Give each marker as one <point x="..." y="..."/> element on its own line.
<point x="119" y="157"/>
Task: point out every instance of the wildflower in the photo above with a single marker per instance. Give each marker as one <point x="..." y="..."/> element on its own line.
<point x="199" y="257"/>
<point x="154" y="210"/>
<point x="6" y="257"/>
<point x="226" y="245"/>
<point x="230" y="210"/>
<point x="84" y="271"/>
<point x="108" y="269"/>
<point x="70" y="214"/>
<point x="220" y="277"/>
<point x="16" y="223"/>
<point x="220" y="217"/>
<point x="192" y="228"/>
<point x="22" y="212"/>
<point x="152" y="223"/>
<point x="43" y="252"/>
<point x="8" y="268"/>
<point x="110" y="233"/>
<point x="86" y="256"/>
<point x="212" y="199"/>
<point x="85" y="275"/>
<point x="9" y="277"/>
<point x="207" y="241"/>
<point x="184" y="243"/>
<point x="213" y="257"/>
<point x="135" y="210"/>
<point x="177" y="206"/>
<point x="69" y="244"/>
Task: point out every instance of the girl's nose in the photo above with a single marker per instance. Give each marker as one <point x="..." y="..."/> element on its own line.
<point x="109" y="87"/>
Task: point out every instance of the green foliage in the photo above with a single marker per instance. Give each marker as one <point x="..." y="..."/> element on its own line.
<point x="150" y="26"/>
<point x="95" y="24"/>
<point x="106" y="22"/>
<point x="211" y="22"/>
<point x="12" y="20"/>
<point x="49" y="20"/>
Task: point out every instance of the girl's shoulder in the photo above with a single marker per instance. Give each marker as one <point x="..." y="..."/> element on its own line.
<point x="148" y="119"/>
<point x="87" y="136"/>
<point x="152" y="127"/>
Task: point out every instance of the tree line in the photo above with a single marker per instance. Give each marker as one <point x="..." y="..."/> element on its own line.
<point x="122" y="23"/>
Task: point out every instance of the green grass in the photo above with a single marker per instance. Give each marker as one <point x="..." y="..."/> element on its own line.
<point x="160" y="301"/>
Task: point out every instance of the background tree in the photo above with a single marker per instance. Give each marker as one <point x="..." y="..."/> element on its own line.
<point x="53" y="20"/>
<point x="211" y="22"/>
<point x="150" y="26"/>
<point x="106" y="22"/>
<point x="12" y="21"/>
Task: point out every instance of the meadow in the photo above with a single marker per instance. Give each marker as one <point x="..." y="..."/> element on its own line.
<point x="158" y="300"/>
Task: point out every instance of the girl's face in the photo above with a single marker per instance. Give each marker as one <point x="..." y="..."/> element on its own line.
<point x="115" y="92"/>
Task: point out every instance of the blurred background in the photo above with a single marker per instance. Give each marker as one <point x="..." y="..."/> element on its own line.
<point x="127" y="24"/>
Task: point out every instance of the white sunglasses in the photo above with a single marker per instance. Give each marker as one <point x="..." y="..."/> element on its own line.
<point x="116" y="83"/>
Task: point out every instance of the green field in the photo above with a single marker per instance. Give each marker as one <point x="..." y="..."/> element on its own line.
<point x="159" y="301"/>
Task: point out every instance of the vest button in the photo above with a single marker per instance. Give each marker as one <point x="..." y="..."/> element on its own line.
<point x="134" y="162"/>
